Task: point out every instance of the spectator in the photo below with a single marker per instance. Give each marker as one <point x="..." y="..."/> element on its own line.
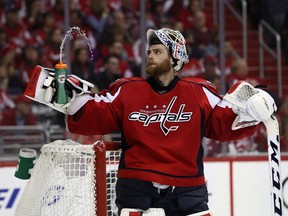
<point x="116" y="24"/>
<point x="9" y="61"/>
<point x="57" y="11"/>
<point x="47" y="25"/>
<point x="97" y="16"/>
<point x="6" y="102"/>
<point x="239" y="71"/>
<point x="186" y="15"/>
<point x="204" y="36"/>
<point x="210" y="67"/>
<point x="137" y="48"/>
<point x="77" y="19"/>
<point x="215" y="79"/>
<point x="21" y="115"/>
<point x="230" y="56"/>
<point x="131" y="14"/>
<point x="81" y="65"/>
<point x="4" y="42"/>
<point x="117" y="48"/>
<point x="51" y="49"/>
<point x="4" y="80"/>
<point x="120" y="36"/>
<point x="109" y="73"/>
<point x="195" y="50"/>
<point x="31" y="58"/>
<point x="126" y="59"/>
<point x="33" y="16"/>
<point x="15" y="29"/>
<point x="193" y="68"/>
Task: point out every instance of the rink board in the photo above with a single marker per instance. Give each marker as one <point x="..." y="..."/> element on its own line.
<point x="236" y="186"/>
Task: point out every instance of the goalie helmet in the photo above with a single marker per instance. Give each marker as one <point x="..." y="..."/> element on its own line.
<point x="175" y="43"/>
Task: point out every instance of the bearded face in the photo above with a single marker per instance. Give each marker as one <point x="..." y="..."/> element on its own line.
<point x="154" y="68"/>
<point x="158" y="61"/>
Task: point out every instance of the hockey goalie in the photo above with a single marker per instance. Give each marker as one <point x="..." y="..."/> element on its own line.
<point x="162" y="119"/>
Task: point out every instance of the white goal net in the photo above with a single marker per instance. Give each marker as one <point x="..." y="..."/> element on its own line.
<point x="64" y="181"/>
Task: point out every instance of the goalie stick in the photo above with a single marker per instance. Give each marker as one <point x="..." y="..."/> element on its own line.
<point x="237" y="96"/>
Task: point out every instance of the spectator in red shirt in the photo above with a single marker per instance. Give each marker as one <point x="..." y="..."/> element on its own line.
<point x="131" y="13"/>
<point x="204" y="36"/>
<point x="109" y="73"/>
<point x="51" y="49"/>
<point x="47" y="25"/>
<point x="21" y="114"/>
<point x="15" y="29"/>
<point x="9" y="61"/>
<point x="210" y="67"/>
<point x="117" y="48"/>
<point x="81" y="65"/>
<point x="239" y="71"/>
<point x="33" y="16"/>
<point x="30" y="58"/>
<point x="186" y="15"/>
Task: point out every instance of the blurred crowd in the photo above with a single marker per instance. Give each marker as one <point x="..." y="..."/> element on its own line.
<point x="31" y="32"/>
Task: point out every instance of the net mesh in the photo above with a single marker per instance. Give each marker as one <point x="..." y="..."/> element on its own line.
<point x="63" y="182"/>
<point x="112" y="161"/>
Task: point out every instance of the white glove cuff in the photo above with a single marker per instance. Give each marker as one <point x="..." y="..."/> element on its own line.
<point x="77" y="103"/>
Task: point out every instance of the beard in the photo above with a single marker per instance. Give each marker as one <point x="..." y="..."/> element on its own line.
<point x="161" y="68"/>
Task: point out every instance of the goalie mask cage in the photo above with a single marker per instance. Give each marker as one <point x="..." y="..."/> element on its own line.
<point x="72" y="179"/>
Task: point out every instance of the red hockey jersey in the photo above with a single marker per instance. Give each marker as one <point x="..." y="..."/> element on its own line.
<point x="162" y="127"/>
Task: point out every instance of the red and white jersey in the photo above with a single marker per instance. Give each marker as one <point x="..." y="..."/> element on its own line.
<point x="162" y="127"/>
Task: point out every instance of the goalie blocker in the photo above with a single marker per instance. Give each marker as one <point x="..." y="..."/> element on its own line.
<point x="42" y="88"/>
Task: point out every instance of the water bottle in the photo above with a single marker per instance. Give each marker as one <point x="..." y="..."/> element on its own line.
<point x="61" y="72"/>
<point x="25" y="163"/>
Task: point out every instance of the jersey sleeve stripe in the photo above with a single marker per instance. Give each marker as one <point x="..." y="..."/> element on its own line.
<point x="212" y="98"/>
<point x="107" y="98"/>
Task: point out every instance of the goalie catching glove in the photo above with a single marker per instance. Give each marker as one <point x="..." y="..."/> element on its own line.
<point x="42" y="88"/>
<point x="251" y="104"/>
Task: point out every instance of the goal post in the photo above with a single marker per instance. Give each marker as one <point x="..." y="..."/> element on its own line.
<point x="102" y="181"/>
<point x="72" y="179"/>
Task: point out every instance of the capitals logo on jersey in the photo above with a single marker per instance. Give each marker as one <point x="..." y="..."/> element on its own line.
<point x="162" y="117"/>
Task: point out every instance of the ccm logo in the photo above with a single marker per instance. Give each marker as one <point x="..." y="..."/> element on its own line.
<point x="276" y="177"/>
